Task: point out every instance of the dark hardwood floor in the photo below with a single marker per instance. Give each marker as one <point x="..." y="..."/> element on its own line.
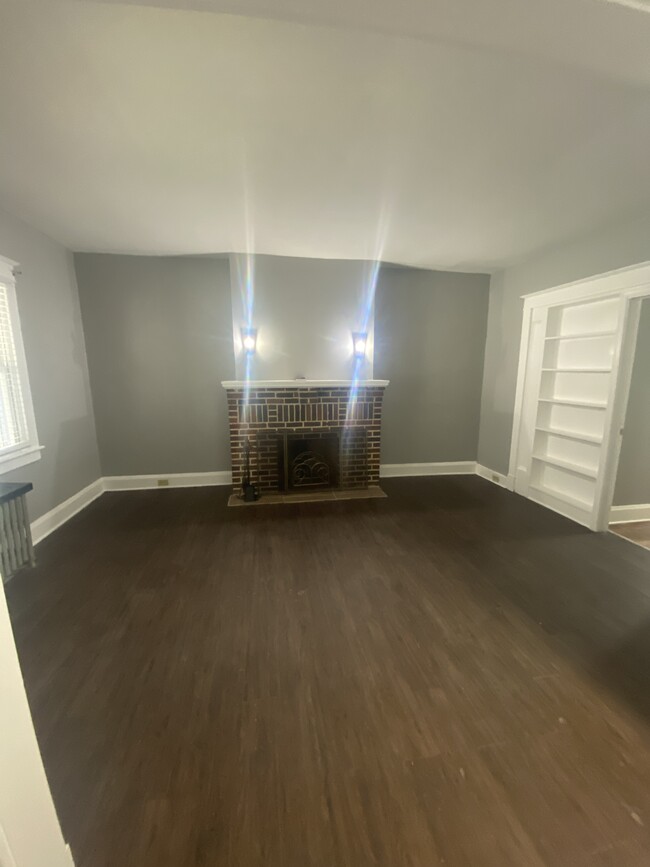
<point x="452" y="676"/>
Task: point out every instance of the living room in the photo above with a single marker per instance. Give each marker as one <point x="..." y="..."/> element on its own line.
<point x="325" y="496"/>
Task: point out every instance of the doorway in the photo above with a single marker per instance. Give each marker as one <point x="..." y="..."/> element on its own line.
<point x="630" y="512"/>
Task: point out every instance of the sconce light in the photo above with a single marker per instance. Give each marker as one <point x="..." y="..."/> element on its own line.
<point x="249" y="340"/>
<point x="359" y="342"/>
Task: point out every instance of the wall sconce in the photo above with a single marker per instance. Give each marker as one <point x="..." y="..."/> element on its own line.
<point x="249" y="340"/>
<point x="359" y="343"/>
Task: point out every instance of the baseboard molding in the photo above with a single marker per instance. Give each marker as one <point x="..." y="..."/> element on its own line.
<point x="441" y="468"/>
<point x="57" y="516"/>
<point x="173" y="480"/>
<point x="628" y="514"/>
<point x="497" y="478"/>
<point x="53" y="519"/>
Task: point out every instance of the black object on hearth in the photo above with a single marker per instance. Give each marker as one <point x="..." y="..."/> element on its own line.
<point x="250" y="492"/>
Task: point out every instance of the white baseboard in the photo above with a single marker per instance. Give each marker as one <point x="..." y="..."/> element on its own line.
<point x="498" y="478"/>
<point x="441" y="468"/>
<point x="173" y="480"/>
<point x="57" y="516"/>
<point x="627" y="514"/>
<point x="53" y="519"/>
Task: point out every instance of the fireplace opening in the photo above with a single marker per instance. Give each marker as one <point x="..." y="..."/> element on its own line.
<point x="309" y="462"/>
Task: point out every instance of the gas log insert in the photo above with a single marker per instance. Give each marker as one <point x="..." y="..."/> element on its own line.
<point x="308" y="462"/>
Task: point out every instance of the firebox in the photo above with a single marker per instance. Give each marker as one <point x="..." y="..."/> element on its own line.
<point x="308" y="461"/>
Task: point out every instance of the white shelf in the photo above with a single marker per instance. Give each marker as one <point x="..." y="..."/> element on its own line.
<point x="576" y="369"/>
<point x="576" y="502"/>
<point x="580" y="336"/>
<point x="561" y="401"/>
<point x="569" y="466"/>
<point x="571" y="435"/>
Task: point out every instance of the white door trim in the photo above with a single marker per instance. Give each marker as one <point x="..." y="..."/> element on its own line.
<point x="630" y="285"/>
<point x="629" y="514"/>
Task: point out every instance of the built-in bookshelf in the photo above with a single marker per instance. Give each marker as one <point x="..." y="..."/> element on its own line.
<point x="575" y="380"/>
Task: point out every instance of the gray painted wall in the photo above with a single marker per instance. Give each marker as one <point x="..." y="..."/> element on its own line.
<point x="430" y="329"/>
<point x="606" y="250"/>
<point x="305" y="311"/>
<point x="633" y="476"/>
<point x="58" y="372"/>
<point x="159" y="339"/>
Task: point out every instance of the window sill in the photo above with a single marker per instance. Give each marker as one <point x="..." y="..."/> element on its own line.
<point x="15" y="460"/>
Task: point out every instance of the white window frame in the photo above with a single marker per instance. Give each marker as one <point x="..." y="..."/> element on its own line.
<point x="14" y="457"/>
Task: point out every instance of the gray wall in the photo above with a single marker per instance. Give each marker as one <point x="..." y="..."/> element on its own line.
<point x="58" y="373"/>
<point x="430" y="329"/>
<point x="633" y="477"/>
<point x="305" y="311"/>
<point x="601" y="251"/>
<point x="159" y="339"/>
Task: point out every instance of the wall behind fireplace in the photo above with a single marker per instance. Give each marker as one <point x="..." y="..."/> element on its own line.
<point x="305" y="311"/>
<point x="159" y="338"/>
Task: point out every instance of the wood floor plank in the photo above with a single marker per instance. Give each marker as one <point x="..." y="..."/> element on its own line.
<point x="634" y="531"/>
<point x="449" y="676"/>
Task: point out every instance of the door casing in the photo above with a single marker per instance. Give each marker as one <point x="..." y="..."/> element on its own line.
<point x="629" y="285"/>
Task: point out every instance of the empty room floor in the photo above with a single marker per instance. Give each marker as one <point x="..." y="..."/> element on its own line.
<point x="452" y="675"/>
<point x="635" y="531"/>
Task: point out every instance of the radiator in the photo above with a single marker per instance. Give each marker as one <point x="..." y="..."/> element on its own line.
<point x="16" y="548"/>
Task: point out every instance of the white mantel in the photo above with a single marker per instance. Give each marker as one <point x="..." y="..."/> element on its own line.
<point x="306" y="383"/>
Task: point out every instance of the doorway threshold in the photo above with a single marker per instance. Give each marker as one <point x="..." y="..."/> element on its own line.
<point x="634" y="531"/>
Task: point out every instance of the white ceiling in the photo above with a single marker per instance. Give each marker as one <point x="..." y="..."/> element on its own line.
<point x="439" y="133"/>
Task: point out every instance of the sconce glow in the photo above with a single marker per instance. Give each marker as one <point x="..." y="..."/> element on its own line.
<point x="359" y="342"/>
<point x="249" y="340"/>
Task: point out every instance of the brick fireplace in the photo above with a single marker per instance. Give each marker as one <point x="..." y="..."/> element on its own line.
<point x="304" y="435"/>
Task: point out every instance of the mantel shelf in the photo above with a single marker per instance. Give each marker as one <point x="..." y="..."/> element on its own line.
<point x="305" y="383"/>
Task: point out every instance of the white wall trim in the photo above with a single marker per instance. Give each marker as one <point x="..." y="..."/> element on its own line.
<point x="441" y="468"/>
<point x="507" y="482"/>
<point x="6" y="855"/>
<point x="53" y="519"/>
<point x="293" y="384"/>
<point x="174" y="480"/>
<point x="630" y="280"/>
<point x="30" y="450"/>
<point x="627" y="514"/>
<point x="20" y="458"/>
<point x="628" y="286"/>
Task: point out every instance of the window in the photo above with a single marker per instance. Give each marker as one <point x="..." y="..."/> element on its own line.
<point x="18" y="439"/>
